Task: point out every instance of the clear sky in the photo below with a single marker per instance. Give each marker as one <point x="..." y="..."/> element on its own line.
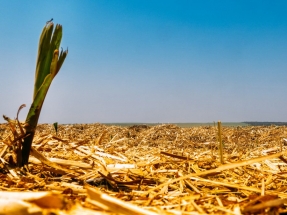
<point x="150" y="60"/>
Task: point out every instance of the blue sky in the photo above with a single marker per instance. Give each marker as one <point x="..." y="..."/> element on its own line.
<point x="150" y="61"/>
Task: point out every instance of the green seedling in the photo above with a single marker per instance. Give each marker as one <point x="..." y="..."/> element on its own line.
<point x="55" y="124"/>
<point x="49" y="62"/>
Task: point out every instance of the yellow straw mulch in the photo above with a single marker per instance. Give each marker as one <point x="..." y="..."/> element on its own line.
<point x="163" y="169"/>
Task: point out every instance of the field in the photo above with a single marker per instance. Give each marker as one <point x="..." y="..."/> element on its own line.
<point x="147" y="169"/>
<point x="182" y="125"/>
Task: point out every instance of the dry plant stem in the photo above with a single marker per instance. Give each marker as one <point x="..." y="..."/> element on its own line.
<point x="46" y="199"/>
<point x="221" y="168"/>
<point x="220" y="142"/>
<point x="225" y="210"/>
<point x="263" y="205"/>
<point x="3" y="151"/>
<point x="200" y="210"/>
<point x="44" y="160"/>
<point x="252" y="189"/>
<point x="263" y="187"/>
<point x="107" y="202"/>
<point x="63" y="162"/>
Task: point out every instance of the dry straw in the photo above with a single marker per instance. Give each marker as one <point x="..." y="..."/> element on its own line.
<point x="163" y="169"/>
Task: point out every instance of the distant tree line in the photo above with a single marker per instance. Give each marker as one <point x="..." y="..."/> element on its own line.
<point x="266" y="123"/>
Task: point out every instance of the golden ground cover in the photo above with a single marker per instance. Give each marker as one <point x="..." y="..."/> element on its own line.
<point x="163" y="169"/>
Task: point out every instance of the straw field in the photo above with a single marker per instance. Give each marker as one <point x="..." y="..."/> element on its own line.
<point x="141" y="169"/>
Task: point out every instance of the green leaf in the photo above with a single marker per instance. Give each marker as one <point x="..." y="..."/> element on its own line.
<point x="55" y="124"/>
<point x="49" y="62"/>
